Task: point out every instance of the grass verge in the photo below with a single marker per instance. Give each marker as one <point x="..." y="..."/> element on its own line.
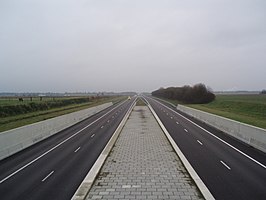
<point x="7" y="123"/>
<point x="249" y="109"/>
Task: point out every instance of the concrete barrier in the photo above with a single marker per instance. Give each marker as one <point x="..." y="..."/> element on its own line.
<point x="15" y="140"/>
<point x="251" y="135"/>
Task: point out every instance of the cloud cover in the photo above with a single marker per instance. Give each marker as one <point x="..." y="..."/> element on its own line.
<point x="141" y="45"/>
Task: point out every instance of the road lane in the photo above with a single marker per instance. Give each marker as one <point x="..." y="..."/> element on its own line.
<point x="227" y="173"/>
<point x="58" y="173"/>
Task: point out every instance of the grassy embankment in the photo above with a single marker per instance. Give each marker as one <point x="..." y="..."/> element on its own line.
<point x="42" y="110"/>
<point x="249" y="109"/>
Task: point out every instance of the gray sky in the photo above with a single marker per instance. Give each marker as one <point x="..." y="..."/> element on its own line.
<point x="137" y="45"/>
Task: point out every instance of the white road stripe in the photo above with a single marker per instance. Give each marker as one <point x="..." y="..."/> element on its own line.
<point x="244" y="154"/>
<point x="108" y="121"/>
<point x="50" y="174"/>
<point x="171" y="117"/>
<point x="199" y="142"/>
<point x="225" y="165"/>
<point x="186" y="130"/>
<point x="92" y="135"/>
<point x="177" y="122"/>
<point x="34" y="160"/>
<point x="102" y="126"/>
<point x="77" y="150"/>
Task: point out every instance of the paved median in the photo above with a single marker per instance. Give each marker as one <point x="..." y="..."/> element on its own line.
<point x="143" y="165"/>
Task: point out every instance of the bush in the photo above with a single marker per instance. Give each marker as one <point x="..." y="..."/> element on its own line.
<point x="198" y="94"/>
<point x="12" y="110"/>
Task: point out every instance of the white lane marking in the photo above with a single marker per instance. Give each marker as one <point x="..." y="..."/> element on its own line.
<point x="186" y="130"/>
<point x="77" y="150"/>
<point x="199" y="142"/>
<point x="177" y="122"/>
<point x="34" y="160"/>
<point x="108" y="121"/>
<point x="236" y="149"/>
<point x="50" y="174"/>
<point x="92" y="135"/>
<point x="102" y="126"/>
<point x="225" y="165"/>
<point x="171" y="117"/>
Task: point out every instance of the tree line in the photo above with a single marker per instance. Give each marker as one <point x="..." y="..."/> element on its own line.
<point x="197" y="94"/>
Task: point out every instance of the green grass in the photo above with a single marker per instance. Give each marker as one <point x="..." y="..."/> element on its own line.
<point x="140" y="102"/>
<point x="249" y="109"/>
<point x="7" y="123"/>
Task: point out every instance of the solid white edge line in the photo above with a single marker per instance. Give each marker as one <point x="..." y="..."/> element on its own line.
<point x="201" y="186"/>
<point x="84" y="188"/>
<point x="50" y="174"/>
<point x="225" y="165"/>
<point x="239" y="151"/>
<point x="34" y="160"/>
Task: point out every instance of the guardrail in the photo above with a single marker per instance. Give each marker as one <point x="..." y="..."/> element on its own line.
<point x="248" y="134"/>
<point x="15" y="140"/>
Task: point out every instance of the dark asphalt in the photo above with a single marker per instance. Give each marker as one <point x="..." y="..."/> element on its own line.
<point x="228" y="174"/>
<point x="59" y="171"/>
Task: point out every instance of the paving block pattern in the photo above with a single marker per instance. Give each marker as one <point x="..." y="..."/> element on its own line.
<point x="143" y="165"/>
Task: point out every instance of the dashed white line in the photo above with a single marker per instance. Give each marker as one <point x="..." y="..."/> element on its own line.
<point x="50" y="174"/>
<point x="177" y="122"/>
<point x="92" y="135"/>
<point x="108" y="121"/>
<point x="199" y="142"/>
<point x="39" y="157"/>
<point x="171" y="117"/>
<point x="102" y="126"/>
<point x="186" y="130"/>
<point x="244" y="154"/>
<point x="225" y="165"/>
<point x="77" y="150"/>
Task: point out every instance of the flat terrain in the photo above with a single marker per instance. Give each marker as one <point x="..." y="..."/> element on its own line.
<point x="46" y="108"/>
<point x="249" y="109"/>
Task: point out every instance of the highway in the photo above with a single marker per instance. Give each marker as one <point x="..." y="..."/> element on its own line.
<point x="230" y="169"/>
<point x="55" y="167"/>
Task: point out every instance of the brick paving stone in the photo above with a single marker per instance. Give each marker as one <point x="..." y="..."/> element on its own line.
<point x="143" y="165"/>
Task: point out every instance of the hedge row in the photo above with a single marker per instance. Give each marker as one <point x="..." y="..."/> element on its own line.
<point x="11" y="110"/>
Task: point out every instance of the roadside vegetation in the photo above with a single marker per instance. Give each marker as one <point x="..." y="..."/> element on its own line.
<point x="197" y="94"/>
<point x="140" y="102"/>
<point x="15" y="113"/>
<point x="249" y="109"/>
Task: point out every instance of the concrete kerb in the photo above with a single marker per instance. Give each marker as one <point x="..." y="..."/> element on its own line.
<point x="88" y="181"/>
<point x="201" y="186"/>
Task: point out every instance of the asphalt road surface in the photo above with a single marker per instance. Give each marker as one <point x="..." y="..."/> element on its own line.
<point x="55" y="167"/>
<point x="230" y="169"/>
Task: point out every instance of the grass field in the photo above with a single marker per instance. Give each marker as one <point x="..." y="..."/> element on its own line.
<point x="10" y="122"/>
<point x="249" y="109"/>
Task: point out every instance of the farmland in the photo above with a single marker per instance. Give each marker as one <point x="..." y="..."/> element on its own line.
<point x="250" y="109"/>
<point x="15" y="113"/>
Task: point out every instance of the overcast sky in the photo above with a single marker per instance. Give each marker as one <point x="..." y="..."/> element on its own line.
<point x="131" y="45"/>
